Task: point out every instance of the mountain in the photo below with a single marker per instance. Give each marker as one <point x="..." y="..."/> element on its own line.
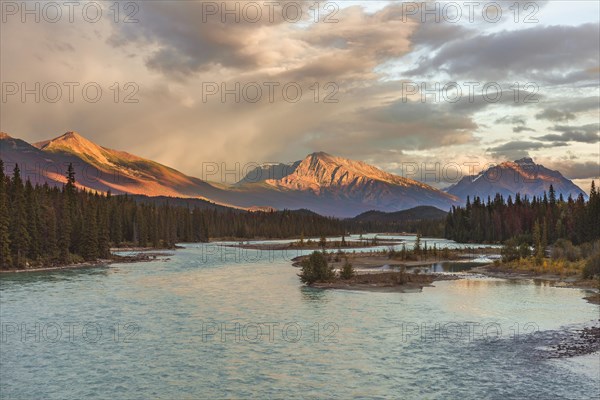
<point x="420" y="213"/>
<point x="338" y="186"/>
<point x="320" y="182"/>
<point x="106" y="169"/>
<point x="522" y="176"/>
<point x="98" y="168"/>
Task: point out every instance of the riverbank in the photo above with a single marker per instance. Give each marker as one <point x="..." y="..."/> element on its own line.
<point x="572" y="281"/>
<point x="100" y="263"/>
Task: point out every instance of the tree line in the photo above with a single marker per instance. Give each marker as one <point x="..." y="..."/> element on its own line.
<point x="47" y="225"/>
<point x="540" y="219"/>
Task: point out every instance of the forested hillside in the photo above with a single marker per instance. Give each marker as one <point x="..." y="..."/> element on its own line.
<point x="500" y="219"/>
<point x="44" y="225"/>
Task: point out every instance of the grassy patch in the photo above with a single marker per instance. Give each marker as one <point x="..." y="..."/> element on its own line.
<point x="561" y="267"/>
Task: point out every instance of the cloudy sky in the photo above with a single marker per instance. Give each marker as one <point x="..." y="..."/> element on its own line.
<point x="391" y="83"/>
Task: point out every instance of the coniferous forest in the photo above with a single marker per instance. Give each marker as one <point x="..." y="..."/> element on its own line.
<point x="500" y="219"/>
<point x="44" y="225"/>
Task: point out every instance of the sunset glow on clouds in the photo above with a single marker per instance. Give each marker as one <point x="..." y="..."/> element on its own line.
<point x="361" y="69"/>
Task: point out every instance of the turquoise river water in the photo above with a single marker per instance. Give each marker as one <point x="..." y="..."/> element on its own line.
<point x="214" y="322"/>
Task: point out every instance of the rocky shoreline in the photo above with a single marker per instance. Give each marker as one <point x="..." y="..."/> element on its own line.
<point x="581" y="342"/>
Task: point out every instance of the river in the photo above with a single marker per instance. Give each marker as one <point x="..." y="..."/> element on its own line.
<point x="216" y="322"/>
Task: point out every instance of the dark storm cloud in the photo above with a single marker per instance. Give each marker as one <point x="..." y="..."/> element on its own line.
<point x="185" y="41"/>
<point x="582" y="134"/>
<point x="523" y="52"/>
<point x="171" y="52"/>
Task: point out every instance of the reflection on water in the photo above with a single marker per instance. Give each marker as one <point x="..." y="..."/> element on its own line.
<point x="448" y="266"/>
<point x="186" y="328"/>
<point x="312" y="294"/>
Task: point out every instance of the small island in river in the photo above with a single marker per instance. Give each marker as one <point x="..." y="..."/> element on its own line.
<point x="411" y="270"/>
<point x="372" y="271"/>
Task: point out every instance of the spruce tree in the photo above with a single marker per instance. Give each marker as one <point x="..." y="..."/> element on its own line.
<point x="417" y="247"/>
<point x="116" y="227"/>
<point x="593" y="213"/>
<point x="19" y="235"/>
<point x="32" y="207"/>
<point x="89" y="249"/>
<point x="103" y="231"/>
<point x="64" y="241"/>
<point x="5" y="257"/>
<point x="49" y="245"/>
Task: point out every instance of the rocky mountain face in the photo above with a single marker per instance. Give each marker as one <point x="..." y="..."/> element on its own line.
<point x="321" y="171"/>
<point x="352" y="187"/>
<point x="522" y="176"/>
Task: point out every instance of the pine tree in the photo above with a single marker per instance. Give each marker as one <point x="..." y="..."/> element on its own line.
<point x="70" y="188"/>
<point x="593" y="213"/>
<point x="19" y="235"/>
<point x="32" y="207"/>
<point x="49" y="246"/>
<point x="103" y="231"/>
<point x="537" y="243"/>
<point x="323" y="242"/>
<point x="90" y="235"/>
<point x="116" y="228"/>
<point x="67" y="217"/>
<point x="64" y="240"/>
<point x="552" y="195"/>
<point x="417" y="247"/>
<point x="5" y="257"/>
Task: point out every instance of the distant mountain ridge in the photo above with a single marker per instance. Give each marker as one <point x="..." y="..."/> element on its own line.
<point x="322" y="183"/>
<point x="522" y="176"/>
